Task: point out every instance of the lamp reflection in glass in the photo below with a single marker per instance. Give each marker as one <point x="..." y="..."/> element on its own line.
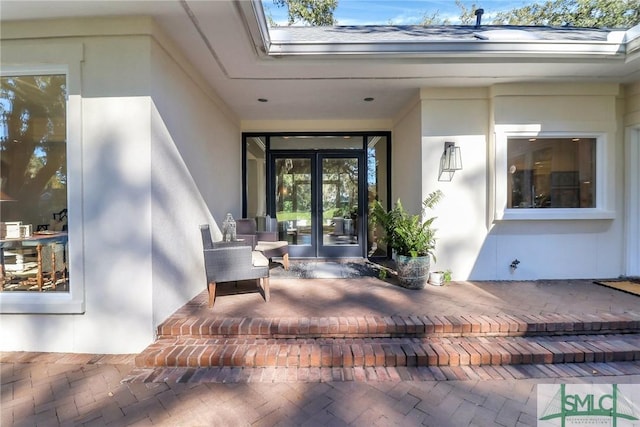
<point x="450" y="161"/>
<point x="4" y="197"/>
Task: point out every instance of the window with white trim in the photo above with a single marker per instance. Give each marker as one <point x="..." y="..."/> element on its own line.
<point x="60" y="62"/>
<point x="551" y="173"/>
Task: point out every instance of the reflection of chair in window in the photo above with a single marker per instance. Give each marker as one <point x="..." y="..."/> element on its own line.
<point x="54" y="265"/>
<point x="58" y="222"/>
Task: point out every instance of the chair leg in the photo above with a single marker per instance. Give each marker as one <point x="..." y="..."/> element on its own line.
<point x="212" y="293"/>
<point x="285" y="261"/>
<point x="264" y="282"/>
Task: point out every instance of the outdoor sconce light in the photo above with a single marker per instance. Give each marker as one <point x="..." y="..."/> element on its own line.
<point x="450" y="161"/>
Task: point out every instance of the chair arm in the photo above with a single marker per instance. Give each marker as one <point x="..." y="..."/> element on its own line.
<point x="267" y="236"/>
<point x="230" y="263"/>
<point x="248" y="239"/>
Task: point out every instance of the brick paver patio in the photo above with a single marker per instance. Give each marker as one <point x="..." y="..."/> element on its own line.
<point x="62" y="389"/>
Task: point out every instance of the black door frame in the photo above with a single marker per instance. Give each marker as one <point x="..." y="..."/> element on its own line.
<point x="317" y="248"/>
<point x="366" y="135"/>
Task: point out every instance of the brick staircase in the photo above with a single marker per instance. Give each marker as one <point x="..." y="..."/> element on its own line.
<point x="395" y="341"/>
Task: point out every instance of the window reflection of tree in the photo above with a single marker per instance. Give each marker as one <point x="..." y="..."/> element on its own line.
<point x="33" y="145"/>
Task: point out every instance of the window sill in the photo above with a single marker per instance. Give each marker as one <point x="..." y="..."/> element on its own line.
<point x="39" y="303"/>
<point x="556" y="214"/>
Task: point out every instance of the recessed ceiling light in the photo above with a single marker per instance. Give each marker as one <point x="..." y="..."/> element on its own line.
<point x="368" y="99"/>
<point x="263" y="100"/>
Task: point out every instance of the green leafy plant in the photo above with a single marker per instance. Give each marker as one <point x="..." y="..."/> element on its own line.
<point x="407" y="234"/>
<point x="446" y="276"/>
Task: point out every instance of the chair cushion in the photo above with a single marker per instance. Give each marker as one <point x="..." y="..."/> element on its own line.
<point x="273" y="249"/>
<point x="259" y="260"/>
<point x="267" y="246"/>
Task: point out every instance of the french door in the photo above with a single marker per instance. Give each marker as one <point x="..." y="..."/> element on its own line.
<point x="319" y="200"/>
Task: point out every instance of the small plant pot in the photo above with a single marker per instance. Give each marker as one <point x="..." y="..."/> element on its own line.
<point x="436" y="278"/>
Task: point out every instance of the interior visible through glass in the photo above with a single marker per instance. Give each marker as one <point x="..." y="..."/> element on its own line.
<point x="376" y="190"/>
<point x="340" y="201"/>
<point x="316" y="142"/>
<point x="33" y="183"/>
<point x="256" y="177"/>
<point x="293" y="199"/>
<point x="551" y="172"/>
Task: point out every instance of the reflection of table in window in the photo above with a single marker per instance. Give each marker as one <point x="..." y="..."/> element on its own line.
<point x="37" y="241"/>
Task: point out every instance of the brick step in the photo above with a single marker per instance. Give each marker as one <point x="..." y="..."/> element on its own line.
<point x="400" y="326"/>
<point x="275" y="374"/>
<point x="389" y="352"/>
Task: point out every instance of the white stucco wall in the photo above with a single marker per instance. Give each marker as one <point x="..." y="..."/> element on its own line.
<point x="473" y="242"/>
<point x="148" y="128"/>
<point x="460" y="116"/>
<point x="196" y="176"/>
<point x="114" y="242"/>
<point x="632" y="180"/>
<point x="405" y="159"/>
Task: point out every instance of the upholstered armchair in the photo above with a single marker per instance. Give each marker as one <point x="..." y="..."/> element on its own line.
<point x="230" y="262"/>
<point x="263" y="241"/>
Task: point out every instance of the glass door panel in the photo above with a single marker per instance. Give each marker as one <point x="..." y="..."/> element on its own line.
<point x="340" y="206"/>
<point x="318" y="203"/>
<point x="294" y="203"/>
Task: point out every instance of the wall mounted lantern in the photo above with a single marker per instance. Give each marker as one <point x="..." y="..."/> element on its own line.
<point x="450" y="161"/>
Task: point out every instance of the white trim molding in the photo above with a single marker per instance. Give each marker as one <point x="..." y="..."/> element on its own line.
<point x="605" y="200"/>
<point x="56" y="58"/>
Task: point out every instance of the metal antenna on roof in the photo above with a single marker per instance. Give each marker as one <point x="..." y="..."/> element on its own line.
<point x="478" y="14"/>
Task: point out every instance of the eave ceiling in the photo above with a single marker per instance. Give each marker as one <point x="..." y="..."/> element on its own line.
<point x="219" y="38"/>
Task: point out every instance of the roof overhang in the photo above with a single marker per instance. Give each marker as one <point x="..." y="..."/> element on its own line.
<point x="450" y="42"/>
<point x="325" y="73"/>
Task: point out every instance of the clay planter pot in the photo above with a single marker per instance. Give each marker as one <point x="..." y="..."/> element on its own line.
<point x="413" y="272"/>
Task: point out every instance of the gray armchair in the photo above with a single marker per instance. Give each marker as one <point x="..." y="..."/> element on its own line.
<point x="264" y="241"/>
<point x="230" y="262"/>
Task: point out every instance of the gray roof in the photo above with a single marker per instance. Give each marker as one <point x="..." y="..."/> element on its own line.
<point x="419" y="33"/>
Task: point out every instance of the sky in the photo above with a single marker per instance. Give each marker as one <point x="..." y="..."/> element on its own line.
<point x="399" y="12"/>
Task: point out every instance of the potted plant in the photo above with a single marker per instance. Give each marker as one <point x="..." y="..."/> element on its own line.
<point x="410" y="237"/>
<point x="439" y="278"/>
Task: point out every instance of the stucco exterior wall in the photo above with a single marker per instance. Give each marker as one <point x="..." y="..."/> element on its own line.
<point x="475" y="242"/>
<point x="148" y="131"/>
<point x="314" y="125"/>
<point x="405" y="160"/>
<point x="112" y="241"/>
<point x="631" y="124"/>
<point x="460" y="116"/>
<point x="196" y="176"/>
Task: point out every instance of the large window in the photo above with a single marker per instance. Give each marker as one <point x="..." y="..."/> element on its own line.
<point x="33" y="183"/>
<point x="551" y="173"/>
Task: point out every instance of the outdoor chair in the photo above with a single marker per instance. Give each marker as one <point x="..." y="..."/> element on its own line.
<point x="231" y="262"/>
<point x="266" y="241"/>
